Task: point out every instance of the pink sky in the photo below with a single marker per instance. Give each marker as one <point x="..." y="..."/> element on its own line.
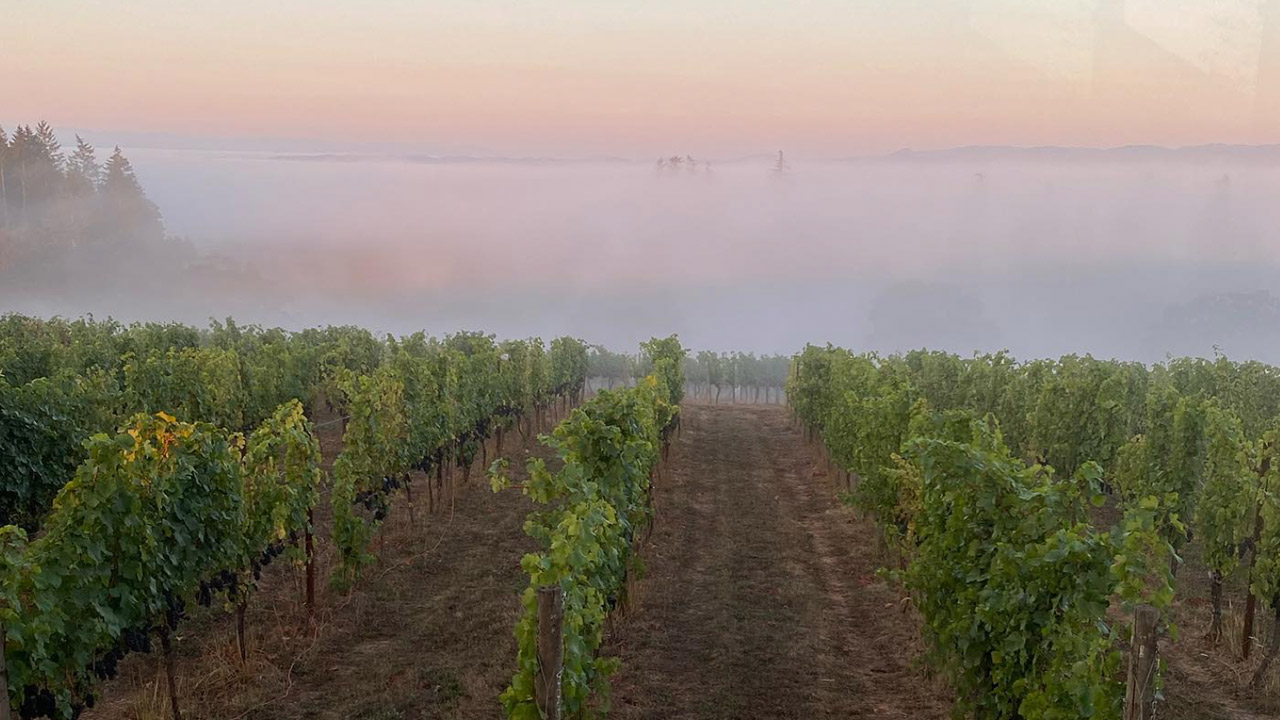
<point x="708" y="77"/>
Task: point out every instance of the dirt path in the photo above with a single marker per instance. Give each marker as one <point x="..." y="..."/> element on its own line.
<point x="426" y="633"/>
<point x="760" y="601"/>
<point x="760" y="597"/>
<point x="429" y="633"/>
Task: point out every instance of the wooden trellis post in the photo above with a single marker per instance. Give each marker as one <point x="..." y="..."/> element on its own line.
<point x="310" y="550"/>
<point x="546" y="686"/>
<point x="4" y="679"/>
<point x="1140" y="692"/>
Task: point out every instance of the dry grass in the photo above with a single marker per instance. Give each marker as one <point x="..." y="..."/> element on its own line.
<point x="426" y="633"/>
<point x="761" y="598"/>
<point x="1207" y="681"/>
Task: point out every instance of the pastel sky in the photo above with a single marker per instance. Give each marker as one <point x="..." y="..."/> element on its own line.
<point x="643" y="78"/>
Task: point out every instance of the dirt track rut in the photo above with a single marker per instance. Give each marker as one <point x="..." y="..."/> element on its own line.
<point x="760" y="598"/>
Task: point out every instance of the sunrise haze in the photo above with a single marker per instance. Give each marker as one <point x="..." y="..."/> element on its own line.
<point x="822" y="78"/>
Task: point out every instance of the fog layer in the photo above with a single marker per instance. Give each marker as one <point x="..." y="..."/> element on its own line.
<point x="1041" y="253"/>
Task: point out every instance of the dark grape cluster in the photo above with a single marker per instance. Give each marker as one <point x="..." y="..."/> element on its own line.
<point x="375" y="500"/>
<point x="106" y="667"/>
<point x="1245" y="547"/>
<point x="137" y="639"/>
<point x="268" y="555"/>
<point x="37" y="702"/>
<point x="224" y="581"/>
<point x="40" y="703"/>
<point x="176" y="610"/>
<point x="390" y="484"/>
<point x="273" y="551"/>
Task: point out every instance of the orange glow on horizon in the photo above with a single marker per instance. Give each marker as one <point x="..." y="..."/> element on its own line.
<point x="638" y="80"/>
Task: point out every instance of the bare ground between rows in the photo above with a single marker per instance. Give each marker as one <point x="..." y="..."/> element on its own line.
<point x="759" y="598"/>
<point x="426" y="633"/>
<point x="1204" y="680"/>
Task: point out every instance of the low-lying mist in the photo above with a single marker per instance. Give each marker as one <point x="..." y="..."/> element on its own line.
<point x="1043" y="254"/>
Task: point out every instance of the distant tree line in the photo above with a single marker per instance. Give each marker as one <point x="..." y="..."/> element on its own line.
<point x="740" y="377"/>
<point x="676" y="164"/>
<point x="61" y="206"/>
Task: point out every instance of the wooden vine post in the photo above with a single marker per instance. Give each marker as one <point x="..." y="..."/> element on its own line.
<point x="1251" y="601"/>
<point x="4" y="678"/>
<point x="170" y="670"/>
<point x="309" y="549"/>
<point x="547" y="685"/>
<point x="408" y="494"/>
<point x="1140" y="690"/>
<point x="1273" y="649"/>
<point x="242" y="639"/>
<point x="431" y="497"/>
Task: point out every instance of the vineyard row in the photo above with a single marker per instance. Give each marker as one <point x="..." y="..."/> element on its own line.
<point x="986" y="475"/>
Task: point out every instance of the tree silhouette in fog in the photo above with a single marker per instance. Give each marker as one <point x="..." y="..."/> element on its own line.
<point x="60" y="211"/>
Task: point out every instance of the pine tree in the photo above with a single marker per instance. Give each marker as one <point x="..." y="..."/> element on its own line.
<point x="64" y="214"/>
<point x="50" y="148"/>
<point x="131" y="213"/>
<point x="118" y="179"/>
<point x="35" y="166"/>
<point x="4" y="195"/>
<point x="49" y="165"/>
<point x="84" y="172"/>
<point x="82" y="211"/>
<point x="21" y="147"/>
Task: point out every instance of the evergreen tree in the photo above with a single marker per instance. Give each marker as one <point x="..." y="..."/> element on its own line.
<point x="62" y="216"/>
<point x="4" y="195"/>
<point x="50" y="148"/>
<point x="22" y="147"/>
<point x="82" y="208"/>
<point x="48" y="168"/>
<point x="84" y="172"/>
<point x="131" y="213"/>
<point x="36" y="169"/>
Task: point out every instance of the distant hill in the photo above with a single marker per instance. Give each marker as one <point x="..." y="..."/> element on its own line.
<point x="1261" y="154"/>
<point x="424" y="159"/>
<point x="1126" y="154"/>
